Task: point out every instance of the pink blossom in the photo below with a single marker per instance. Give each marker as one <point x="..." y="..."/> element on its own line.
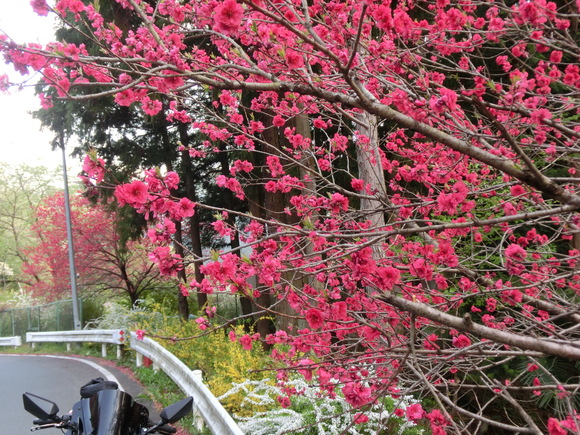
<point x="202" y="322"/>
<point x="222" y="229"/>
<point x="320" y="123"/>
<point x="276" y="168"/>
<point x="414" y="412"/>
<point x="539" y="115"/>
<point x="305" y="367"/>
<point x="168" y="262"/>
<point x="182" y="209"/>
<point x="360" y="418"/>
<point x="40" y="7"/>
<point x="421" y="269"/>
<point x="151" y="107"/>
<point x="314" y="318"/>
<point x="517" y="190"/>
<point x="430" y="342"/>
<point x="554" y="427"/>
<point x="228" y="17"/>
<point x="387" y="277"/>
<point x="184" y="289"/>
<point x="461" y="341"/>
<point x="125" y="98"/>
<point x="231" y="184"/>
<point x="75" y="6"/>
<point x="241" y="166"/>
<point x="357" y="184"/>
<point x="284" y="401"/>
<point x="515" y="252"/>
<point x="447" y="101"/>
<point x="384" y="17"/>
<point x="134" y="193"/>
<point x="294" y="59"/>
<point x="278" y="121"/>
<point x="246" y="342"/>
<point x="94" y="168"/>
<point x="437" y="421"/>
<point x="339" y="310"/>
<point x="532" y="367"/>
<point x="171" y="180"/>
<point x="139" y="334"/>
<point x="356" y="394"/>
<point x="338" y="203"/>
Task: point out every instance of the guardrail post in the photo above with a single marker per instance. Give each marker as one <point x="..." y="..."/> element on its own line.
<point x="104" y="350"/>
<point x="120" y="348"/>
<point x="68" y="347"/>
<point x="139" y="360"/>
<point x="197" y="418"/>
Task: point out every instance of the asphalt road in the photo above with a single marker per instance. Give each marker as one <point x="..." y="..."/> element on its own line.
<point x="55" y="378"/>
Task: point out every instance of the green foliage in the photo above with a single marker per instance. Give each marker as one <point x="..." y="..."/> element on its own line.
<point x="222" y="362"/>
<point x="21" y="190"/>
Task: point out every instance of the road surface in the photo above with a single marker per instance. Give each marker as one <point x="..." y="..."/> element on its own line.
<point x="52" y="377"/>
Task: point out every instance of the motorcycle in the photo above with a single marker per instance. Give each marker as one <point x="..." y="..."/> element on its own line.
<point x="104" y="410"/>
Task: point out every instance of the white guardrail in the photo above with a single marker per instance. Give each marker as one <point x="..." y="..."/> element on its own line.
<point x="11" y="341"/>
<point x="103" y="336"/>
<point x="205" y="405"/>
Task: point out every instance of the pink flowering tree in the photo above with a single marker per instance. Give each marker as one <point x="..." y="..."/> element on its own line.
<point x="410" y="171"/>
<point x="105" y="264"/>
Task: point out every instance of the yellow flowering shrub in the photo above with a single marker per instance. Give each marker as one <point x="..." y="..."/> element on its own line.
<point x="221" y="361"/>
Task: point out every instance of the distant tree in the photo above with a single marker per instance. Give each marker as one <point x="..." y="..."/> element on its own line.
<point x="103" y="261"/>
<point x="21" y="190"/>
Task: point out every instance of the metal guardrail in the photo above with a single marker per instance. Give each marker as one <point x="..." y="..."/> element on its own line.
<point x="103" y="336"/>
<point x="206" y="406"/>
<point x="11" y="341"/>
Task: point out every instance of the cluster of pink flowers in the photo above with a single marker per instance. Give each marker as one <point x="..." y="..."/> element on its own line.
<point x="463" y="125"/>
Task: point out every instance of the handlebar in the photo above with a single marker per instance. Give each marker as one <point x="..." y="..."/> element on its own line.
<point x="60" y="425"/>
<point x="165" y="429"/>
<point x="43" y="422"/>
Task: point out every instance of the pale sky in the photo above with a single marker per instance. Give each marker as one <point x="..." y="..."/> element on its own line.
<point x="21" y="140"/>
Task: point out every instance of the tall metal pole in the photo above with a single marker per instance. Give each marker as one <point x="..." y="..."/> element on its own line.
<point x="71" y="257"/>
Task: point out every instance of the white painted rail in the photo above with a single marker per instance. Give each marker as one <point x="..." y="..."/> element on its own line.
<point x="11" y="341"/>
<point x="103" y="336"/>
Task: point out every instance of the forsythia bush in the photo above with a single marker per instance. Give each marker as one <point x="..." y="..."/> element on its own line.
<point x="223" y="362"/>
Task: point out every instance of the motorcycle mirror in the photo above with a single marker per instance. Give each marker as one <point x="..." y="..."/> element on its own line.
<point x="177" y="411"/>
<point x="40" y="407"/>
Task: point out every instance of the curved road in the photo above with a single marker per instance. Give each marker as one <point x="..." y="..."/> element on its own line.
<point x="57" y="378"/>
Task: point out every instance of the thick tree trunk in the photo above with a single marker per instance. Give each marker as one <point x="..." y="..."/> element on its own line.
<point x="182" y="304"/>
<point x="370" y="170"/>
<point x="194" y="230"/>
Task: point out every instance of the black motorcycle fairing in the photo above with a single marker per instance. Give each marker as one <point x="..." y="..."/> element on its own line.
<point x="109" y="412"/>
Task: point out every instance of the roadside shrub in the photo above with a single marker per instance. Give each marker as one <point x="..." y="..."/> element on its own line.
<point x="314" y="413"/>
<point x="222" y="361"/>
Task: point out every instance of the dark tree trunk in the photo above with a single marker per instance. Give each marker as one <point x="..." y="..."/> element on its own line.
<point x="194" y="230"/>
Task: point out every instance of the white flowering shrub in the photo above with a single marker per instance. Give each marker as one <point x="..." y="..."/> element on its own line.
<point x="313" y="412"/>
<point x="120" y="316"/>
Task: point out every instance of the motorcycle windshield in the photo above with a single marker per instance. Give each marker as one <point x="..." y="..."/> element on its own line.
<point x="113" y="412"/>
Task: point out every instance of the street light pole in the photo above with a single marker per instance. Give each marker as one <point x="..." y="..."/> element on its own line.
<point x="71" y="258"/>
